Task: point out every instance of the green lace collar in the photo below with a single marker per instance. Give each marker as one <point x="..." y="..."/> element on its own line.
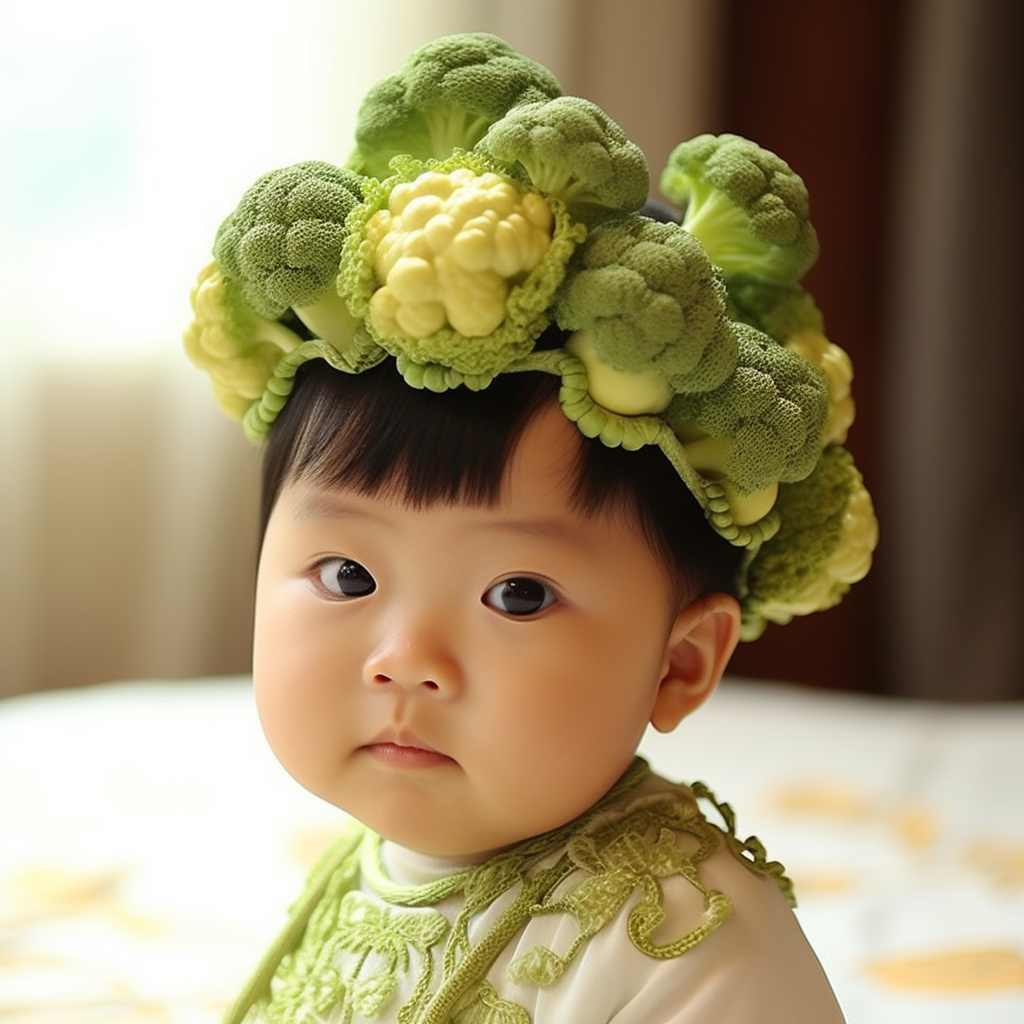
<point x="444" y="878"/>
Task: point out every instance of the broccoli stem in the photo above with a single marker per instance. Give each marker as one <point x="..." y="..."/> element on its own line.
<point x="329" y="318"/>
<point x="455" y="129"/>
<point x="716" y="220"/>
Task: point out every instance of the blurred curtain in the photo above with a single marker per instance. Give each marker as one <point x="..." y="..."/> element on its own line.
<point x="127" y="528"/>
<point x="953" y="477"/>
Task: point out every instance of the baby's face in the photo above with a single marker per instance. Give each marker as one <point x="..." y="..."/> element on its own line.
<point x="459" y="678"/>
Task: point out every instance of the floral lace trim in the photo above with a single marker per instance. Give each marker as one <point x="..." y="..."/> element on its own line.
<point x="751" y="850"/>
<point x="345" y="953"/>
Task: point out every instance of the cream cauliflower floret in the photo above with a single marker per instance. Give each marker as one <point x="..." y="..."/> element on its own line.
<point x="236" y="346"/>
<point x="837" y="367"/>
<point x="449" y="247"/>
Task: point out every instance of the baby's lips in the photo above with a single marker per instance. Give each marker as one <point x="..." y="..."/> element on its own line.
<point x="404" y="740"/>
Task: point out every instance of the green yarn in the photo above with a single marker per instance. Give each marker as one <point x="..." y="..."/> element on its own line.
<point x="357" y="938"/>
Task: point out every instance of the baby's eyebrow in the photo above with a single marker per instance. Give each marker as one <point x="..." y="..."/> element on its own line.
<point x="314" y="505"/>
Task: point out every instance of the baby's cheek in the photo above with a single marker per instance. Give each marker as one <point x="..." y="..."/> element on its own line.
<point x="282" y="700"/>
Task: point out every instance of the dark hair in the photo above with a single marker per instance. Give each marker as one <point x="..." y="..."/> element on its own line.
<point x="373" y="432"/>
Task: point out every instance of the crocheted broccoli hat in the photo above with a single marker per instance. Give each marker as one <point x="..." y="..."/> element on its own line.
<point x="481" y="209"/>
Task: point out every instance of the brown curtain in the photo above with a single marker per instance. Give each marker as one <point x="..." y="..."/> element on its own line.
<point x="904" y="118"/>
<point x="954" y="367"/>
<point x="814" y="82"/>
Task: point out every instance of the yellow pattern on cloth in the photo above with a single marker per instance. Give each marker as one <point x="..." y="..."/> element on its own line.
<point x="356" y="939"/>
<point x="982" y="969"/>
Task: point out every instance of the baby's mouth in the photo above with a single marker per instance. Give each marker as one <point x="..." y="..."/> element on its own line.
<point x="400" y="749"/>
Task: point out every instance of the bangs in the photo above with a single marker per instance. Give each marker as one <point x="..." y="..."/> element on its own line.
<point x="374" y="434"/>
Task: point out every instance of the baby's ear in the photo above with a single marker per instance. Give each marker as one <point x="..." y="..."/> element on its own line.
<point x="702" y="640"/>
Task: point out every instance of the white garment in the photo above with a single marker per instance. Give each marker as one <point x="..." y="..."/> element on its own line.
<point x="755" y="965"/>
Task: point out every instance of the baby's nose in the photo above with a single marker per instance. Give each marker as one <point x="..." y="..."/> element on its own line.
<point x="415" y="656"/>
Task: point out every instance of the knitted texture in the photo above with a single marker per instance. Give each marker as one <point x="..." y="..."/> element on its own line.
<point x="357" y="939"/>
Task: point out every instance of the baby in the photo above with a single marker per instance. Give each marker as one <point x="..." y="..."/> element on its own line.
<point x="536" y="459"/>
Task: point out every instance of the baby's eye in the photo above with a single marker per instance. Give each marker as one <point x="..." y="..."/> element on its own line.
<point x="342" y="577"/>
<point x="520" y="595"/>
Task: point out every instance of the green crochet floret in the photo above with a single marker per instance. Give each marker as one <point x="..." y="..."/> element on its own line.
<point x="769" y="414"/>
<point x="481" y="210"/>
<point x="283" y="242"/>
<point x="748" y="207"/>
<point x="823" y="546"/>
<point x="649" y="299"/>
<point x="570" y="148"/>
<point x="447" y="95"/>
<point x="779" y="310"/>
